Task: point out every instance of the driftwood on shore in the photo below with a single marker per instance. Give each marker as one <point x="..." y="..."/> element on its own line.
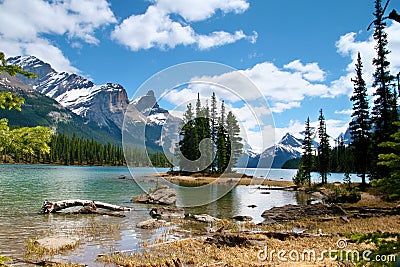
<point x="88" y="207"/>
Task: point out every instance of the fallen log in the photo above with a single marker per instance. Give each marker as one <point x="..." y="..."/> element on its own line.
<point x="89" y="206"/>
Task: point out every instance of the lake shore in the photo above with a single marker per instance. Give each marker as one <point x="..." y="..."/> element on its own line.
<point x="230" y="178"/>
<point x="320" y="236"/>
<point x="119" y="241"/>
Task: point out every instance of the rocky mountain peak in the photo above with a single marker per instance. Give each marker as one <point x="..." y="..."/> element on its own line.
<point x="148" y="105"/>
<point x="290" y="140"/>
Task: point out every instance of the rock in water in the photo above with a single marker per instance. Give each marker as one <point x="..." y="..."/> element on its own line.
<point x="205" y="218"/>
<point x="150" y="224"/>
<point x="163" y="195"/>
<point x="243" y="218"/>
<point x="167" y="213"/>
<point x="294" y="212"/>
<point x="56" y="243"/>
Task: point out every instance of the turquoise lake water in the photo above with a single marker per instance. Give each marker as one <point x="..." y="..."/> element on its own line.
<point x="23" y="188"/>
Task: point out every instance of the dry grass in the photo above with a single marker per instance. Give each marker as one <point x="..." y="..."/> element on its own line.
<point x="195" y="252"/>
<point x="36" y="252"/>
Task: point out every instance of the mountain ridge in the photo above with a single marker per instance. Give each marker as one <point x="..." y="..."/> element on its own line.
<point x="104" y="105"/>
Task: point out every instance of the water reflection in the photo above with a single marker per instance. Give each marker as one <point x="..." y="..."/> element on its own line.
<point x="23" y="188"/>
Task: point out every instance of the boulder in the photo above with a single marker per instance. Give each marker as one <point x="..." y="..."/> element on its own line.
<point x="167" y="213"/>
<point x="352" y="197"/>
<point x="294" y="212"/>
<point x="163" y="195"/>
<point x="150" y="224"/>
<point x="243" y="218"/>
<point x="57" y="243"/>
<point x="205" y="218"/>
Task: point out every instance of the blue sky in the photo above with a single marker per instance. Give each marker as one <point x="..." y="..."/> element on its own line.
<point x="300" y="54"/>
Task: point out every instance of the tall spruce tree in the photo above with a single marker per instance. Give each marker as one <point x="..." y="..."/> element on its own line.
<point x="214" y="126"/>
<point x="384" y="111"/>
<point x="360" y="126"/>
<point x="324" y="149"/>
<point x="203" y="132"/>
<point x="307" y="159"/>
<point x="234" y="140"/>
<point x="189" y="145"/>
<point x="222" y="157"/>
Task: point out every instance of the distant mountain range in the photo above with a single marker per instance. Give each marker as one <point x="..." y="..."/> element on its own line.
<point x="70" y="103"/>
<point x="101" y="105"/>
<point x="288" y="147"/>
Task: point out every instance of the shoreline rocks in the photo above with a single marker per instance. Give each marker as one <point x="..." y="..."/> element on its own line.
<point x="56" y="243"/>
<point x="167" y="213"/>
<point x="243" y="218"/>
<point x="294" y="212"/>
<point x="150" y="224"/>
<point x="205" y="218"/>
<point x="162" y="196"/>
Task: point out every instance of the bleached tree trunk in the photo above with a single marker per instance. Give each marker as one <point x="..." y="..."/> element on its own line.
<point x="52" y="207"/>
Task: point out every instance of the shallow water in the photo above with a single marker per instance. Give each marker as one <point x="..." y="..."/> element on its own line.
<point x="23" y="188"/>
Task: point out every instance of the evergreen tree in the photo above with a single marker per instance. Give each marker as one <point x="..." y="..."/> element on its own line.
<point x="222" y="157"/>
<point x="234" y="145"/>
<point x="307" y="159"/>
<point x="360" y="125"/>
<point x="214" y="126"/>
<point x="216" y="138"/>
<point x="391" y="160"/>
<point x="203" y="131"/>
<point x="323" y="149"/>
<point x="384" y="111"/>
<point x="189" y="145"/>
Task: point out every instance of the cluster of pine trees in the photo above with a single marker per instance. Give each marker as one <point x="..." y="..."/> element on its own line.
<point x="79" y="151"/>
<point x="374" y="149"/>
<point x="64" y="150"/>
<point x="210" y="141"/>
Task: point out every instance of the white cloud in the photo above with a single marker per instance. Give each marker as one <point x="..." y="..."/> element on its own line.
<point x="156" y="28"/>
<point x="199" y="10"/>
<point x="218" y="39"/>
<point x="24" y="23"/>
<point x="310" y="71"/>
<point x="284" y="89"/>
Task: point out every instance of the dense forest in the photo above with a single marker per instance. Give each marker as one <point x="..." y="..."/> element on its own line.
<point x="64" y="150"/>
<point x="374" y="150"/>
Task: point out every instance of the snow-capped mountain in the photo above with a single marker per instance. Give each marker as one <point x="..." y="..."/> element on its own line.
<point x="288" y="147"/>
<point x="39" y="109"/>
<point x="345" y="137"/>
<point x="104" y="105"/>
